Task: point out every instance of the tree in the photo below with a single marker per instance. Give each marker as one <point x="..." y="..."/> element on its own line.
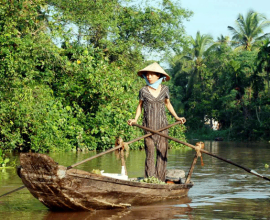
<point x="124" y="30"/>
<point x="263" y="61"/>
<point x="247" y="33"/>
<point x="199" y="47"/>
<point x="190" y="78"/>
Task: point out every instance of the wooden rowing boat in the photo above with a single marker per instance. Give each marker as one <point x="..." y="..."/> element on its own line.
<point x="61" y="189"/>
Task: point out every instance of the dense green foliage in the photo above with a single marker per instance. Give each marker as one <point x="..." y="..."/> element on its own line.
<point x="3" y="160"/>
<point x="226" y="81"/>
<point x="68" y="71"/>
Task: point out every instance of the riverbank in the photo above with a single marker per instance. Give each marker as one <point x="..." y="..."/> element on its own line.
<point x="208" y="134"/>
<point x="223" y="135"/>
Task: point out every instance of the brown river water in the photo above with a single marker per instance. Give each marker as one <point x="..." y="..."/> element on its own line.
<point x="221" y="190"/>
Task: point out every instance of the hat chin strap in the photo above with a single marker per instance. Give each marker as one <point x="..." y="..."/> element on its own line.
<point x="155" y="84"/>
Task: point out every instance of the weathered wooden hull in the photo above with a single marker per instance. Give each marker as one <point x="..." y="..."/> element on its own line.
<point x="77" y="190"/>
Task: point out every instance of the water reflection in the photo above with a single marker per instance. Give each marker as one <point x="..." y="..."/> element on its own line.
<point x="164" y="210"/>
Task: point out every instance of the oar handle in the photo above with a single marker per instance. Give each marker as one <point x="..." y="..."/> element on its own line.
<point x="91" y="158"/>
<point x="203" y="151"/>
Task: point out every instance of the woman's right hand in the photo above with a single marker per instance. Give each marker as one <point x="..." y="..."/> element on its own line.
<point x="130" y="121"/>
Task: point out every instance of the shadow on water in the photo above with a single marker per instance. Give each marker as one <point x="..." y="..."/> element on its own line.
<point x="165" y="210"/>
<point x="221" y="191"/>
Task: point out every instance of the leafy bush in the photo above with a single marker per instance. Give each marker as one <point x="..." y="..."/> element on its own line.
<point x="3" y="159"/>
<point x="31" y="119"/>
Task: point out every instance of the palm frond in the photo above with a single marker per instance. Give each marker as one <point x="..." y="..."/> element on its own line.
<point x="248" y="29"/>
<point x="263" y="37"/>
<point x="239" y="48"/>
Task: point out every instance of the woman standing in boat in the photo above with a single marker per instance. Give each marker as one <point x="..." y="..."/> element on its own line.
<point x="153" y="98"/>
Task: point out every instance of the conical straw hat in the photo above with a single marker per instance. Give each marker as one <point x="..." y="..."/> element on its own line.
<point x="156" y="68"/>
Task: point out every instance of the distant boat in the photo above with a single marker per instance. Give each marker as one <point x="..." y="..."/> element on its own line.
<point x="218" y="139"/>
<point x="76" y="190"/>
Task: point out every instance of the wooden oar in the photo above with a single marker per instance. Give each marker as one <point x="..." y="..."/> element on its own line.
<point x="105" y="152"/>
<point x="15" y="190"/>
<point x="203" y="151"/>
<point x="119" y="146"/>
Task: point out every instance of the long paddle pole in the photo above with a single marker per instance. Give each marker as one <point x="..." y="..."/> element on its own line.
<point x="203" y="151"/>
<point x="15" y="190"/>
<point x="119" y="146"/>
<point x="105" y="152"/>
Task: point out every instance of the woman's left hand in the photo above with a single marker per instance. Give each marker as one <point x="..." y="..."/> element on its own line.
<point x="182" y="119"/>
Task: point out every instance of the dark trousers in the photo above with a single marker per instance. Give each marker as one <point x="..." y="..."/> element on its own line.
<point x="157" y="170"/>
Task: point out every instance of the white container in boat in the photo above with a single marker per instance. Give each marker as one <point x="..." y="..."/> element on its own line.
<point x="123" y="171"/>
<point x="121" y="176"/>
